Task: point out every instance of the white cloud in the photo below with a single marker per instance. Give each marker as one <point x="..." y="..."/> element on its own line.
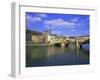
<point x="56" y="32"/>
<point x="74" y="19"/>
<point x="37" y="18"/>
<point x="33" y="19"/>
<point x="42" y="15"/>
<point x="72" y="30"/>
<point x="59" y="23"/>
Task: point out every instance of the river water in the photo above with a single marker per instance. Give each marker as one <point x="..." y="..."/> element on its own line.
<point x="54" y="56"/>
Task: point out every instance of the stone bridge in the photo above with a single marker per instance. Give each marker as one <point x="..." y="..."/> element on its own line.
<point x="81" y="40"/>
<point x="77" y="41"/>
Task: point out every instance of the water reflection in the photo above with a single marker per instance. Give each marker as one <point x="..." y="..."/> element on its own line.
<point x="51" y="56"/>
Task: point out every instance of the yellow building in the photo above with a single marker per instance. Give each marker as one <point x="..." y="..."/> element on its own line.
<point x="35" y="39"/>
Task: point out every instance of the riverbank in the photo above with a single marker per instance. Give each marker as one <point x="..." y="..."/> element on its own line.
<point x="37" y="45"/>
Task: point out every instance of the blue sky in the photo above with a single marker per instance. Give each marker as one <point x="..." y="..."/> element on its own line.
<point x="59" y="24"/>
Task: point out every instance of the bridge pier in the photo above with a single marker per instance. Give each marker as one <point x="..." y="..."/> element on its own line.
<point x="62" y="44"/>
<point x="77" y="44"/>
<point x="80" y="46"/>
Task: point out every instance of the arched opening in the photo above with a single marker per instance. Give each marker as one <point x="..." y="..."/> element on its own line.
<point x="66" y="45"/>
<point x="57" y="44"/>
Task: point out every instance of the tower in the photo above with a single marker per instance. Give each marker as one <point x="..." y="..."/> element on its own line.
<point x="45" y="36"/>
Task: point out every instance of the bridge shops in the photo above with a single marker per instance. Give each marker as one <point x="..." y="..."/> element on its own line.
<point x="69" y="41"/>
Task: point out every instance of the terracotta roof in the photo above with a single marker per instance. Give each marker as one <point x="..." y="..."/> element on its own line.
<point x="34" y="32"/>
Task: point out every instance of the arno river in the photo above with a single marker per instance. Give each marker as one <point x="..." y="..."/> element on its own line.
<point x="52" y="56"/>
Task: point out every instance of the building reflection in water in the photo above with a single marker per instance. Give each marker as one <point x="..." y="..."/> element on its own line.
<point x="45" y="56"/>
<point x="51" y="51"/>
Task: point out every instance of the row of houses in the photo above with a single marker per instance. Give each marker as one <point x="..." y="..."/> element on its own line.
<point x="36" y="37"/>
<point x="47" y="37"/>
<point x="39" y="37"/>
<point x="42" y="37"/>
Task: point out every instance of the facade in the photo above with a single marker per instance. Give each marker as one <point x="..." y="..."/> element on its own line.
<point x="36" y="37"/>
<point x="45" y="33"/>
<point x="28" y="36"/>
